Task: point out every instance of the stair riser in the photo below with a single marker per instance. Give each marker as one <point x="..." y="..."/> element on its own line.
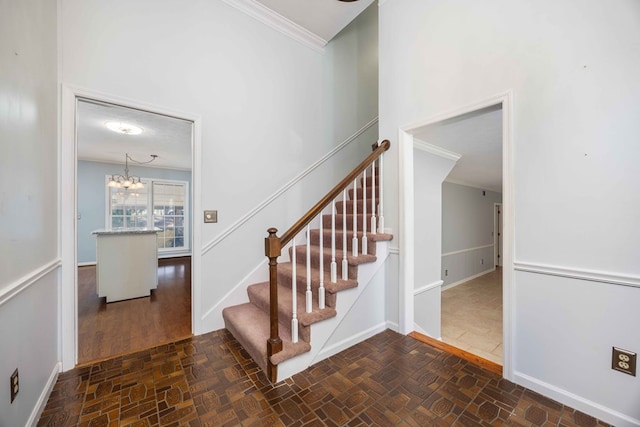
<point x="359" y="194"/>
<point x="369" y="179"/>
<point x="284" y="279"/>
<point x="326" y="222"/>
<point x="301" y="261"/>
<point x="315" y="240"/>
<point x="359" y="206"/>
<point x="284" y="315"/>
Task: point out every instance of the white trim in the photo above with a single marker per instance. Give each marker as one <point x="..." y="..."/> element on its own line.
<point x="467" y="250"/>
<point x="565" y="397"/>
<point x="279" y="23"/>
<point x="27" y="280"/>
<point x="44" y="396"/>
<point x="406" y="219"/>
<point x="237" y="294"/>
<point x="460" y="282"/>
<point x="428" y="287"/>
<point x="393" y="326"/>
<point x="470" y="184"/>
<point x="68" y="211"/>
<point x="435" y="150"/>
<point x="351" y="341"/>
<point x="86" y="264"/>
<point x="246" y="217"/>
<point x="406" y="231"/>
<point x="394" y="250"/>
<point x="578" y="273"/>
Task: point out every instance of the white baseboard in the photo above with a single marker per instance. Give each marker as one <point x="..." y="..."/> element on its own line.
<point x="351" y="341"/>
<point x="460" y="282"/>
<point x="565" y="397"/>
<point x="86" y="264"/>
<point x="44" y="396"/>
<point x="394" y="326"/>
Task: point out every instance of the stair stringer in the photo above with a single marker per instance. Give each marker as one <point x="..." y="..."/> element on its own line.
<point x="321" y="332"/>
<point x="212" y="320"/>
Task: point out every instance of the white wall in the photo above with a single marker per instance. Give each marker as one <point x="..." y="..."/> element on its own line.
<point x="29" y="262"/>
<point x="268" y="107"/>
<point x="572" y="67"/>
<point x="467" y="231"/>
<point x="429" y="171"/>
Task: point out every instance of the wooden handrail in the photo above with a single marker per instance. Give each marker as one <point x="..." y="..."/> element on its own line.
<point x="274" y="244"/>
<point x="324" y="202"/>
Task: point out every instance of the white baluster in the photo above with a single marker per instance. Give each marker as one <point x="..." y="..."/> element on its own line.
<point x="321" y="287"/>
<point x="373" y="198"/>
<point x="364" y="212"/>
<point x="381" y="202"/>
<point x="345" y="264"/>
<point x="355" y="218"/>
<point x="309" y="294"/>
<point x="334" y="266"/>
<point x="294" y="295"/>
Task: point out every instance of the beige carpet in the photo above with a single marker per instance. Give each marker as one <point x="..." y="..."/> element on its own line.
<point x="472" y="316"/>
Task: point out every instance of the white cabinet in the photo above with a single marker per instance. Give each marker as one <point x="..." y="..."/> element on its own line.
<point x="127" y="263"/>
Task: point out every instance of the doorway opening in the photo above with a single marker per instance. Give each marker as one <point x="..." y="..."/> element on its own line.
<point x="162" y="156"/>
<point x="133" y="175"/>
<point x="462" y="161"/>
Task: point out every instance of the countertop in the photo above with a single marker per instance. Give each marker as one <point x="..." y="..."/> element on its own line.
<point x="126" y="231"/>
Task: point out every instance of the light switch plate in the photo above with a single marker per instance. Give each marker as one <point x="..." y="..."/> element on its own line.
<point x="210" y="216"/>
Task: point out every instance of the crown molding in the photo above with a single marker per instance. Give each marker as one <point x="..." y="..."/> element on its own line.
<point x="279" y="23"/>
<point x="435" y="150"/>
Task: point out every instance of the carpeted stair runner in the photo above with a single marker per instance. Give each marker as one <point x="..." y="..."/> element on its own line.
<point x="249" y="322"/>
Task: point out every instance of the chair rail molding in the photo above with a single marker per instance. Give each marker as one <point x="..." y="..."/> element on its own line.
<point x="266" y="202"/>
<point x="461" y="251"/>
<point x="578" y="273"/>
<point x="428" y="287"/>
<point x="28" y="279"/>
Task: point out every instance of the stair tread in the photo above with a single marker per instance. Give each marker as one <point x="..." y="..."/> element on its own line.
<point x="378" y="237"/>
<point x="315" y="251"/>
<point x="260" y="291"/>
<point x="250" y="326"/>
<point x="301" y="275"/>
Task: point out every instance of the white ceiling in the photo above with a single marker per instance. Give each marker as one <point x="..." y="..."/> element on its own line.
<point x="477" y="137"/>
<point x="168" y="137"/>
<point x="324" y="18"/>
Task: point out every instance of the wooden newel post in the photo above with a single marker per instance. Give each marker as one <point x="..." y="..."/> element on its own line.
<point x="272" y="249"/>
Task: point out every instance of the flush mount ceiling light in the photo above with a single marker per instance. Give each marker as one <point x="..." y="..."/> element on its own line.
<point x="124" y="128"/>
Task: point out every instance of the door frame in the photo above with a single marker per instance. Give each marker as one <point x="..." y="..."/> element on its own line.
<point x="406" y="217"/>
<point x="496" y="238"/>
<point x="68" y="293"/>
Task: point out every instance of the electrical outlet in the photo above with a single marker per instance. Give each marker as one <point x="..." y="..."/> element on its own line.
<point x="624" y="361"/>
<point x="15" y="385"/>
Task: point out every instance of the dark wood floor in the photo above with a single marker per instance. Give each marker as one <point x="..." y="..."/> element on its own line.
<point x="107" y="330"/>
<point x="209" y="380"/>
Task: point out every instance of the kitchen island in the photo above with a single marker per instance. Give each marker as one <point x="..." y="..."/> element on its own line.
<point x="127" y="262"/>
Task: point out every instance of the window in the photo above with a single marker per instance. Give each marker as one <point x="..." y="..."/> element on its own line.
<point x="161" y="203"/>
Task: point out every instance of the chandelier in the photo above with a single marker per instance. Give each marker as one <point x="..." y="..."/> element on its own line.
<point x="126" y="181"/>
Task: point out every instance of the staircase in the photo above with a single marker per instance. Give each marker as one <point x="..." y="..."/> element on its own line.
<point x="304" y="289"/>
